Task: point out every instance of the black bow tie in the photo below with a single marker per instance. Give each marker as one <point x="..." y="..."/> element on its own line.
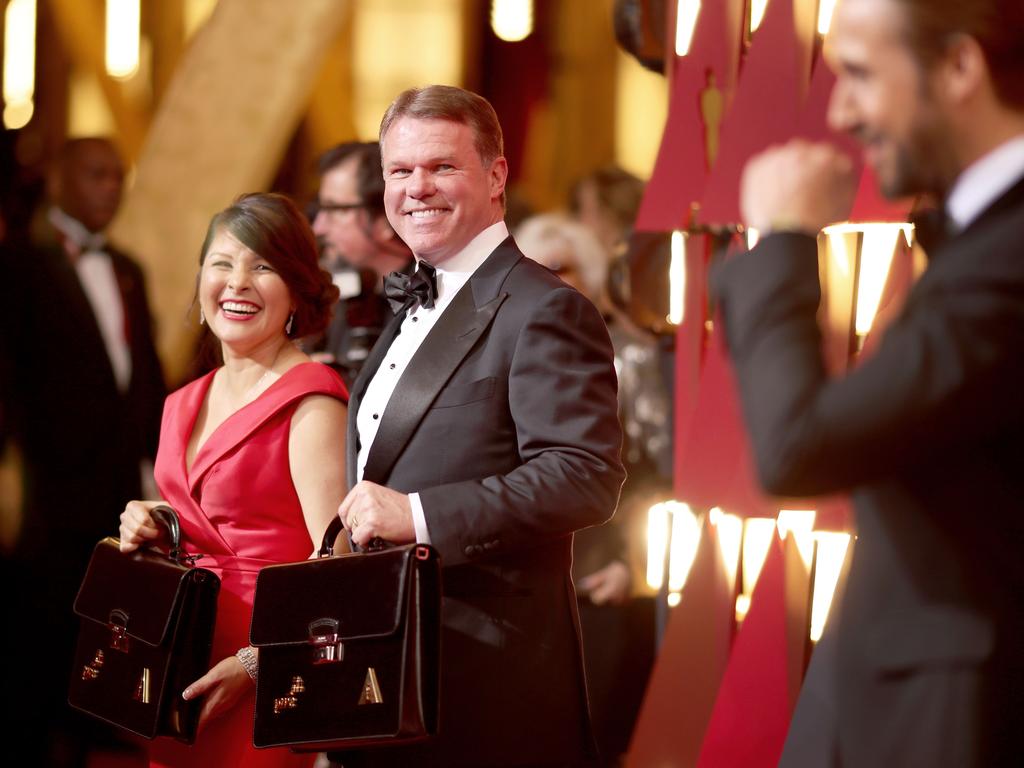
<point x="405" y="292"/>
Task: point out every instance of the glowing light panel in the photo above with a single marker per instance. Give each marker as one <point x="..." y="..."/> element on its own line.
<point x="799" y="523"/>
<point x="687" y="12"/>
<point x="730" y="538"/>
<point x="825" y="11"/>
<point x="512" y="20"/>
<point x="828" y="565"/>
<point x="122" y="47"/>
<point x="683" y="549"/>
<point x="877" y="248"/>
<point x="677" y="279"/>
<point x="19" y="63"/>
<point x="657" y="543"/>
<point x="757" y="9"/>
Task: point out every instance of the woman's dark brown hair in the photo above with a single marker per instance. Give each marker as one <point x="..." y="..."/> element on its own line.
<point x="271" y="226"/>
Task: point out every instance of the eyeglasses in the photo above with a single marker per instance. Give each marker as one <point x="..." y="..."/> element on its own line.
<point x="330" y="207"/>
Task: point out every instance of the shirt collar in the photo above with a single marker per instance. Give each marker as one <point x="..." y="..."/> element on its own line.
<point x="476" y="251"/>
<point x="984" y="181"/>
<point x="76" y="231"/>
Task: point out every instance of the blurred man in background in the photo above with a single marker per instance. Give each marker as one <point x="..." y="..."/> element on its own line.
<point x="83" y="392"/>
<point x="356" y="239"/>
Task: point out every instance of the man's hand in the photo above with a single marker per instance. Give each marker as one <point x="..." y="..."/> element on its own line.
<point x="798" y="186"/>
<point x="373" y="511"/>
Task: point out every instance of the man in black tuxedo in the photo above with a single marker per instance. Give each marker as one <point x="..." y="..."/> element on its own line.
<point x="925" y="665"/>
<point x="485" y="424"/>
<point x="355" y="236"/>
<point x="83" y="392"/>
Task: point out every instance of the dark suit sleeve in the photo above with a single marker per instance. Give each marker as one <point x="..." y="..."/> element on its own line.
<point x="947" y="371"/>
<point x="562" y="402"/>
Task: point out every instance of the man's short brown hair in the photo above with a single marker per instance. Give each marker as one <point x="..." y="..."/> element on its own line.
<point x="997" y="25"/>
<point x="446" y="102"/>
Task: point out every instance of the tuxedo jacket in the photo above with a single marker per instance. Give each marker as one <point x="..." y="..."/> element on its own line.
<point x="505" y="424"/>
<point x="81" y="438"/>
<point x="928" y="436"/>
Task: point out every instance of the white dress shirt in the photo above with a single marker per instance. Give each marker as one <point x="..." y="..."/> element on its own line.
<point x="99" y="282"/>
<point x="452" y="275"/>
<point x="984" y="181"/>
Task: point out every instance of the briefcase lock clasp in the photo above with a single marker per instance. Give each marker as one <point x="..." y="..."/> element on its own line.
<point x="118" y="625"/>
<point x="323" y="636"/>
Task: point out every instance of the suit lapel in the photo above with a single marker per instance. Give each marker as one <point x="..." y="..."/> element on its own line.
<point x="449" y="341"/>
<point x="446" y="346"/>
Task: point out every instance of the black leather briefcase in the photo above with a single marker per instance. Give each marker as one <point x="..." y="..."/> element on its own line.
<point x="348" y="649"/>
<point x="146" y="629"/>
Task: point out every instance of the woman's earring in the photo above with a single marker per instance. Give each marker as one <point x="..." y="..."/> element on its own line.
<point x="288" y="325"/>
<point x="202" y="317"/>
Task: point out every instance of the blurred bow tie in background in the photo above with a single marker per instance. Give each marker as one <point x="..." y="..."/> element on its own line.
<point x="405" y="292"/>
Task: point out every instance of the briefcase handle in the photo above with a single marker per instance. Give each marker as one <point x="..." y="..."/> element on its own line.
<point x="167" y="517"/>
<point x="327" y="545"/>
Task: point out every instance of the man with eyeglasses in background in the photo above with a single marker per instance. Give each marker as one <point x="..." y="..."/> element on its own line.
<point x="355" y="239"/>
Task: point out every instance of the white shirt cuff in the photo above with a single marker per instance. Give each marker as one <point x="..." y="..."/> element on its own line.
<point x="419" y="521"/>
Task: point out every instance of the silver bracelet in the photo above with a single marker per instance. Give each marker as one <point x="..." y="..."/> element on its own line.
<point x="247" y="656"/>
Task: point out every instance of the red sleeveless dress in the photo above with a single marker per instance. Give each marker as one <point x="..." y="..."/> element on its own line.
<point x="239" y="509"/>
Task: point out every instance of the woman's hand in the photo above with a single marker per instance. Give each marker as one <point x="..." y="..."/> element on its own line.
<point x="609" y="585"/>
<point x="222" y="687"/>
<point x="138" y="526"/>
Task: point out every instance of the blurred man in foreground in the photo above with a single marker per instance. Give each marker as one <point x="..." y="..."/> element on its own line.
<point x="924" y="666"/>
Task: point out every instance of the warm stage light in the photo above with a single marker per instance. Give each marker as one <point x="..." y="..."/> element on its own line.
<point x="683" y="547"/>
<point x="657" y="544"/>
<point x="673" y="531"/>
<point x="831" y="552"/>
<point x="825" y="11"/>
<point x="19" y="63"/>
<point x="877" y="247"/>
<point x="677" y="279"/>
<point x="122" y="48"/>
<point x="799" y="523"/>
<point x="687" y="12"/>
<point x="730" y="539"/>
<point x="757" y="9"/>
<point x="512" y="20"/>
<point x="758" y="533"/>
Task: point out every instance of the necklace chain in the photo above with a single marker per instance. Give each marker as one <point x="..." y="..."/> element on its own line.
<point x="254" y="390"/>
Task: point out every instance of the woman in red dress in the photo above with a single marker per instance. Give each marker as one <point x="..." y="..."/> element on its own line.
<point x="251" y="456"/>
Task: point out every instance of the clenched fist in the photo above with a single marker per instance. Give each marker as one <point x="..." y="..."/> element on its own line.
<point x="798" y="186"/>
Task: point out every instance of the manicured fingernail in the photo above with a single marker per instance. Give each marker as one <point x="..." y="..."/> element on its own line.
<point x="186" y="694"/>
